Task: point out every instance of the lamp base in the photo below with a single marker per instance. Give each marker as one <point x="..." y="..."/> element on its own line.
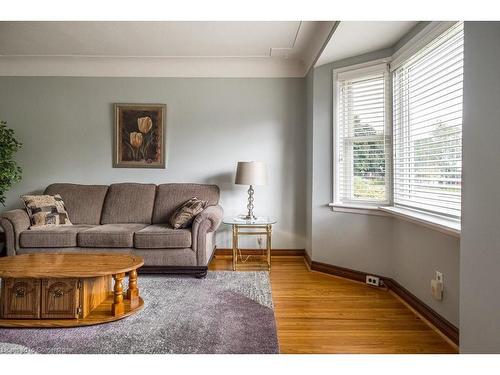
<point x="248" y="217"/>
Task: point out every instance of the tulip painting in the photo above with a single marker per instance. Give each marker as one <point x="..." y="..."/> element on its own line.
<point x="139" y="136"/>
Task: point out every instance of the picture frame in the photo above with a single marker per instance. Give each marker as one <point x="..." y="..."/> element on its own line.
<point x="139" y="135"/>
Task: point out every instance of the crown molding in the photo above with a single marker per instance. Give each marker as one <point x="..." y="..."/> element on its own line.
<point x="319" y="44"/>
<point x="93" y="66"/>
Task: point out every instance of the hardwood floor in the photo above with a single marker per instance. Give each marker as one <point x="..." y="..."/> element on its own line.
<point x="319" y="313"/>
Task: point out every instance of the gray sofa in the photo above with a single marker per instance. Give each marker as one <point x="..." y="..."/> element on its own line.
<point x="125" y="218"/>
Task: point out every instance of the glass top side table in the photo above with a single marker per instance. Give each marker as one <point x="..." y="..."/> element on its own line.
<point x="243" y="227"/>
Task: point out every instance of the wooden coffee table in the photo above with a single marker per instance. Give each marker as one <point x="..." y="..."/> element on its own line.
<point x="67" y="290"/>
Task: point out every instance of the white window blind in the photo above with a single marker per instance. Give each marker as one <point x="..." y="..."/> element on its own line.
<point x="427" y="116"/>
<point x="362" y="137"/>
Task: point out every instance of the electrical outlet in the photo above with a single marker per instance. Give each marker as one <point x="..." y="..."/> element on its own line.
<point x="437" y="289"/>
<point x="437" y="286"/>
<point x="439" y="276"/>
<point x="372" y="280"/>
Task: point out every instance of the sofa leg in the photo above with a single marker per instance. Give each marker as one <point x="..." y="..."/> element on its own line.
<point x="196" y="271"/>
<point x="201" y="275"/>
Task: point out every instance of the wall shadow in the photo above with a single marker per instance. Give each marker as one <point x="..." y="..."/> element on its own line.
<point x="225" y="181"/>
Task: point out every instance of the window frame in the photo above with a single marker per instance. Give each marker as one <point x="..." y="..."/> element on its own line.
<point x="440" y="223"/>
<point x="354" y="71"/>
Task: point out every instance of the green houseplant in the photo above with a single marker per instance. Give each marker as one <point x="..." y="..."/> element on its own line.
<point x="10" y="172"/>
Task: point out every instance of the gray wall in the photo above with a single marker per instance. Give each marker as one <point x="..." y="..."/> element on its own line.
<point x="405" y="251"/>
<point x="355" y="241"/>
<point x="66" y="125"/>
<point x="417" y="253"/>
<point x="480" y="242"/>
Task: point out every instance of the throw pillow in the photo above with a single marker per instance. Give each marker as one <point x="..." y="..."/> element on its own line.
<point x="46" y="210"/>
<point x="184" y="215"/>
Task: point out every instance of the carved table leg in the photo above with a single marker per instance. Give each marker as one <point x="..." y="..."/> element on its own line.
<point x="133" y="290"/>
<point x="118" y="308"/>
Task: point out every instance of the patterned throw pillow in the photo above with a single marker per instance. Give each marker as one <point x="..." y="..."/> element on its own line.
<point x="46" y="210"/>
<point x="184" y="215"/>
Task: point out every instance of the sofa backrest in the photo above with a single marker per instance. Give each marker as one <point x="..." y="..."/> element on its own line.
<point x="129" y="203"/>
<point x="171" y="196"/>
<point x="83" y="202"/>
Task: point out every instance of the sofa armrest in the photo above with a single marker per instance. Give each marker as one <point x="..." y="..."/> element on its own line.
<point x="13" y="223"/>
<point x="204" y="224"/>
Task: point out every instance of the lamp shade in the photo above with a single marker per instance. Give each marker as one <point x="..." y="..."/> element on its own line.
<point x="251" y="173"/>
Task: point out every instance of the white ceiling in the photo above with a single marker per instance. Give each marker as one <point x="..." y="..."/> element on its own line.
<point x="187" y="48"/>
<point x="166" y="39"/>
<point x="353" y="38"/>
<point x="284" y="48"/>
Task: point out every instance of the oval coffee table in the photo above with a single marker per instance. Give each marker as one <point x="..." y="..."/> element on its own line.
<point x="67" y="290"/>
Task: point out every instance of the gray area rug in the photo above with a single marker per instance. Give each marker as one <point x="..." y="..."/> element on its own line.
<point x="227" y="312"/>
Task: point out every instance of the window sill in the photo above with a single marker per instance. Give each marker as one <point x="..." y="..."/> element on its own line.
<point x="358" y="209"/>
<point x="442" y="225"/>
<point x="449" y="227"/>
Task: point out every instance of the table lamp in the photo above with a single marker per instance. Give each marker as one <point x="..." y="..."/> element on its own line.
<point x="251" y="173"/>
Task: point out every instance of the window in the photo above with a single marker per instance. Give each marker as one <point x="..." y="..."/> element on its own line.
<point x="362" y="136"/>
<point x="427" y="115"/>
<point x="398" y="135"/>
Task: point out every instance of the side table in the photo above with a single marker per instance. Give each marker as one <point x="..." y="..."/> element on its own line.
<point x="244" y="227"/>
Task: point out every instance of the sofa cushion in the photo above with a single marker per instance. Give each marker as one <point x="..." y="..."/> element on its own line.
<point x="162" y="236"/>
<point x="83" y="202"/>
<point x="62" y="236"/>
<point x="46" y="210"/>
<point x="109" y="235"/>
<point x="170" y="196"/>
<point x="184" y="215"/>
<point x="129" y="203"/>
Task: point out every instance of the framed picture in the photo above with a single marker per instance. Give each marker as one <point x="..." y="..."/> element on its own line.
<point x="139" y="136"/>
